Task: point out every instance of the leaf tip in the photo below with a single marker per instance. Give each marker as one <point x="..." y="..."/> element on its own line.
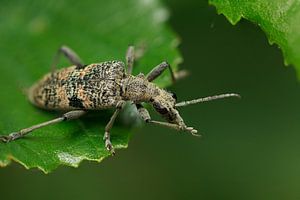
<point x="232" y="17"/>
<point x="4" y="163"/>
<point x="69" y="159"/>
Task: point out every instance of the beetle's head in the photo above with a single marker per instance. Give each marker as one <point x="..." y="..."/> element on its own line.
<point x="165" y="105"/>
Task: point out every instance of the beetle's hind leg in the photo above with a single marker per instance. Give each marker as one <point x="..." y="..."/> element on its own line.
<point x="65" y="117"/>
<point x="69" y="54"/>
<point x="106" y="137"/>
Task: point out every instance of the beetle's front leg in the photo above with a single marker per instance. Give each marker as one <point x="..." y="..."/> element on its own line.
<point x="144" y="114"/>
<point x="159" y="69"/>
<point x="109" y="125"/>
<point x="176" y="127"/>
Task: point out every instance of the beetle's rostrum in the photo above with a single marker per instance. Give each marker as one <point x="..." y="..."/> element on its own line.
<point x="80" y="88"/>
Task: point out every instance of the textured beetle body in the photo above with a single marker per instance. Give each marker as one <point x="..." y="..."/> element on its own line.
<point x="80" y="88"/>
<point x="93" y="87"/>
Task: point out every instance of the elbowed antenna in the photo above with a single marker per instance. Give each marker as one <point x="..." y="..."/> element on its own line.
<point x="210" y="98"/>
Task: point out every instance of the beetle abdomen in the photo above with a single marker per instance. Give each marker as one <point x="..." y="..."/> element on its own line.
<point x="96" y="86"/>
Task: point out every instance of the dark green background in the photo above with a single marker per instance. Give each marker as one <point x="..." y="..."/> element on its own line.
<point x="250" y="147"/>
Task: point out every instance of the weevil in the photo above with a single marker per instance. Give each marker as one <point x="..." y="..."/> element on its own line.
<point x="80" y="88"/>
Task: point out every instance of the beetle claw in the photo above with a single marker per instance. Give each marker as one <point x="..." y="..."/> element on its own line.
<point x="110" y="147"/>
<point x="108" y="144"/>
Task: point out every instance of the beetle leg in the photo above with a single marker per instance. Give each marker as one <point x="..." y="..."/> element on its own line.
<point x="69" y="54"/>
<point x="130" y="59"/>
<point x="159" y="69"/>
<point x="132" y="55"/>
<point x="176" y="127"/>
<point x="109" y="125"/>
<point x="144" y="114"/>
<point x="65" y="117"/>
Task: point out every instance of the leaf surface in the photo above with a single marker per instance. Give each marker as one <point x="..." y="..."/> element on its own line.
<point x="98" y="30"/>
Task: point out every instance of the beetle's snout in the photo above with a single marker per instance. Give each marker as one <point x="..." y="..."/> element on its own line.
<point x="166" y="110"/>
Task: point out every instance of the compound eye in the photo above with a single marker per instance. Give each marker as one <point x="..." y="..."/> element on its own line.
<point x="160" y="109"/>
<point x="174" y="95"/>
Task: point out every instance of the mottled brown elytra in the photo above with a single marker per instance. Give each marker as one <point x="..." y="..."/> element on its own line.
<point x="80" y="88"/>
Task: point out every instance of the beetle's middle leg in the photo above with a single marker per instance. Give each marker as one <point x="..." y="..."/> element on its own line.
<point x="69" y="54"/>
<point x="65" y="117"/>
<point x="130" y="57"/>
<point x="109" y="125"/>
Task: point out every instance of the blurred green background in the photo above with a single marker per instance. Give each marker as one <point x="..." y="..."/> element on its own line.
<point x="250" y="147"/>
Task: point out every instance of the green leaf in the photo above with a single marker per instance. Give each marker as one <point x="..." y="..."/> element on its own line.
<point x="98" y="30"/>
<point x="279" y="19"/>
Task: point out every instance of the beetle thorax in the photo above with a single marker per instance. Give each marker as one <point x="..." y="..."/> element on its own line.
<point x="139" y="89"/>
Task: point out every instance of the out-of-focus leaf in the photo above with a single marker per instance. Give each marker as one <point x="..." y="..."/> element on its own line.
<point x="279" y="19"/>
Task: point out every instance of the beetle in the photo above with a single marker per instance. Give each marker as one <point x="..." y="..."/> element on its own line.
<point x="80" y="88"/>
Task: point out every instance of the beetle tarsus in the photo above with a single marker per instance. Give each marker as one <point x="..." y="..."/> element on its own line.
<point x="11" y="137"/>
<point x="108" y="144"/>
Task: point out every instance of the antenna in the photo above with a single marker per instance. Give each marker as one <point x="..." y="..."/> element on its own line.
<point x="204" y="99"/>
